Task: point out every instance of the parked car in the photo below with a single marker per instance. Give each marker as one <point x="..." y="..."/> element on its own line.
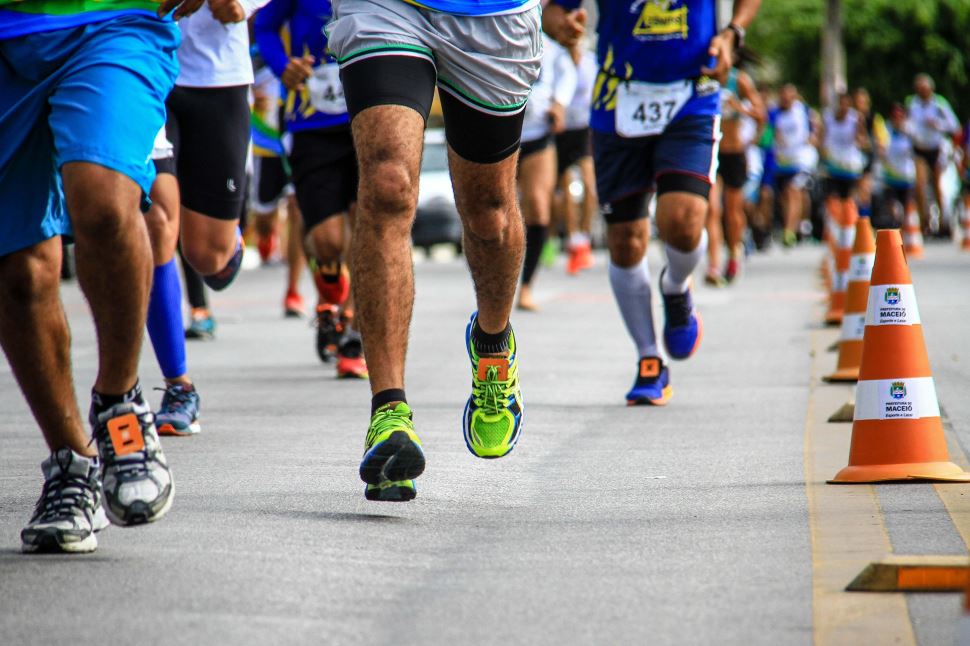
<point x="437" y="220"/>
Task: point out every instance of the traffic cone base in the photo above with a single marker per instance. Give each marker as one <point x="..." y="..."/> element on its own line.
<point x="897" y="433"/>
<point x="912" y="471"/>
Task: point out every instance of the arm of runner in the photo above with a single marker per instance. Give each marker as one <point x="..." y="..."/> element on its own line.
<point x="565" y="21"/>
<point x="266" y="30"/>
<point x="252" y="6"/>
<point x="747" y="90"/>
<point x="950" y="124"/>
<point x="722" y="46"/>
<point x="227" y="12"/>
<point x="182" y="8"/>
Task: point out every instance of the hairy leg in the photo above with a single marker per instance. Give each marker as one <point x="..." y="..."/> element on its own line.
<point x="114" y="266"/>
<point x="208" y="243"/>
<point x="388" y="140"/>
<point x="37" y="342"/>
<point x="493" y="234"/>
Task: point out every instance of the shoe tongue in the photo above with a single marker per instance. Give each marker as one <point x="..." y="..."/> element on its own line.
<point x="650" y="367"/>
<point x="65" y="461"/>
<point x="400" y="407"/>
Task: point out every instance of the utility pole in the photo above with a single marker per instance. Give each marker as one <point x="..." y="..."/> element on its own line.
<point x="833" y="53"/>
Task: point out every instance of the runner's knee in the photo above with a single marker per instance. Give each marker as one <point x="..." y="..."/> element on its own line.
<point x="31" y="275"/>
<point x="388" y="192"/>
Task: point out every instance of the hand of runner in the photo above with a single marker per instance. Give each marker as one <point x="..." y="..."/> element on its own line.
<point x="566" y="27"/>
<point x="227" y="11"/>
<point x="557" y="118"/>
<point x="721" y="48"/>
<point x="182" y="8"/>
<point x="297" y="71"/>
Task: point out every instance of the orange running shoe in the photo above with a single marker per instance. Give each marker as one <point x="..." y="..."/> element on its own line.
<point x="293" y="306"/>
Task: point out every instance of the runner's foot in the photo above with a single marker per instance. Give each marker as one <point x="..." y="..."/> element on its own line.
<point x="68" y="512"/>
<point x="135" y="477"/>
<point x="652" y="384"/>
<point x="328" y="332"/>
<point x="178" y="413"/>
<point x="293" y="306"/>
<point x="682" y="328"/>
<point x="492" y="422"/>
<point x="202" y="326"/>
<point x="392" y="454"/>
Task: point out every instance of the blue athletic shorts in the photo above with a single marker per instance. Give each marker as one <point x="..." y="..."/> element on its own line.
<point x="683" y="158"/>
<point x="95" y="94"/>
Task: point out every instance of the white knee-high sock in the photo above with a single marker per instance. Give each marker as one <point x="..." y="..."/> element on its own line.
<point x="631" y="287"/>
<point x="680" y="265"/>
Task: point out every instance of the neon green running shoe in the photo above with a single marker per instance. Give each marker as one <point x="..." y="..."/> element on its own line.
<point x="392" y="455"/>
<point x="550" y="251"/>
<point x="492" y="421"/>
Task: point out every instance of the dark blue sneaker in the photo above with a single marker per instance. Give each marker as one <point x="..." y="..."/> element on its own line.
<point x="179" y="411"/>
<point x="682" y="325"/>
<point x="652" y="385"/>
<point x="223" y="278"/>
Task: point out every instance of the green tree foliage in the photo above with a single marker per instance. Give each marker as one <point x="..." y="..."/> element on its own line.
<point x="887" y="42"/>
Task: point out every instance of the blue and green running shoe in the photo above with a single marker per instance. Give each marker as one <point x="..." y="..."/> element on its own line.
<point x="492" y="421"/>
<point x="392" y="455"/>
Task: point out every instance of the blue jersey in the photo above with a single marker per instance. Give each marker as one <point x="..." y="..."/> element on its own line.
<point x="300" y="23"/>
<point x="653" y="41"/>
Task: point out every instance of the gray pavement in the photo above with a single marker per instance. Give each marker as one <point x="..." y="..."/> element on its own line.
<point x="607" y="524"/>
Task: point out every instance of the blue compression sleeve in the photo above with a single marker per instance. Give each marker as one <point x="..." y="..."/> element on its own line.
<point x="165" y="321"/>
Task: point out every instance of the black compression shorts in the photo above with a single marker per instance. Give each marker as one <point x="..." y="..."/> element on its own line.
<point x="324" y="169"/>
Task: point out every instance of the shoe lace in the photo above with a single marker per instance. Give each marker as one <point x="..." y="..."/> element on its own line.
<point x="175" y="397"/>
<point x="386" y="420"/>
<point x="491" y="394"/>
<point x="62" y="496"/>
<point x="131" y="466"/>
<point x="678" y="308"/>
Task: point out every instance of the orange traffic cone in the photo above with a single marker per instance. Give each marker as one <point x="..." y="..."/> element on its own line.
<point x="912" y="235"/>
<point x="844" y="233"/>
<point x="857" y="297"/>
<point x="896" y="431"/>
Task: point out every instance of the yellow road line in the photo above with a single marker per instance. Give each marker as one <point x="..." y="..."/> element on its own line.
<point x="848" y="530"/>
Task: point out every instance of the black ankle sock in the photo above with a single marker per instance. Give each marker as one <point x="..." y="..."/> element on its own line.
<point x="486" y="343"/>
<point x="386" y="397"/>
<point x="535" y="240"/>
<point x="103" y="401"/>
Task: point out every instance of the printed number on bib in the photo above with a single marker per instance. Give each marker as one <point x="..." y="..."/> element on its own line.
<point x="645" y="109"/>
<point x="326" y="92"/>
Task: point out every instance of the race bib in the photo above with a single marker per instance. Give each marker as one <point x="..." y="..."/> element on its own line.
<point x="645" y="109"/>
<point x="326" y="92"/>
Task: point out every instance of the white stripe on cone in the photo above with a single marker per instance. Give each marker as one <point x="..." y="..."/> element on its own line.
<point x="881" y="399"/>
<point x="860" y="268"/>
<point x="892" y="305"/>
<point x="853" y="327"/>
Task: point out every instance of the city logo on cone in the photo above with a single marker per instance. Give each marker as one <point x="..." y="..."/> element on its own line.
<point x="897" y="390"/>
<point x="892" y="296"/>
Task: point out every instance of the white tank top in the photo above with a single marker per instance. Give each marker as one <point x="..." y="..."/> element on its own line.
<point x="842" y="154"/>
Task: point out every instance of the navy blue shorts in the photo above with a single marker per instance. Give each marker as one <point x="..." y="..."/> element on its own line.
<point x="683" y="159"/>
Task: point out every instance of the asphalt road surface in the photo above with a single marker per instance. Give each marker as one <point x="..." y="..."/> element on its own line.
<point x="606" y="525"/>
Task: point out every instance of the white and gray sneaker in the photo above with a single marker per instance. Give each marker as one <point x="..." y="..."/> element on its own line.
<point x="69" y="511"/>
<point x="135" y="477"/>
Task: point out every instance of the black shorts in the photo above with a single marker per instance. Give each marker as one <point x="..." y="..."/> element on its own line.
<point x="571" y="146"/>
<point x="324" y="167"/>
<point x="840" y="186"/>
<point x="733" y="169"/>
<point x="901" y="194"/>
<point x="166" y="165"/>
<point x="931" y="155"/>
<point x="480" y="137"/>
<point x="272" y="178"/>
<point x="527" y="148"/>
<point x="209" y="128"/>
<point x="681" y="159"/>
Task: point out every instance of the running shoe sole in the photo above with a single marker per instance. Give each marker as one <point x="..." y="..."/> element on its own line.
<point x="51" y="541"/>
<point x="646" y="401"/>
<point x="396" y="458"/>
<point x="401" y="491"/>
<point x="170" y="430"/>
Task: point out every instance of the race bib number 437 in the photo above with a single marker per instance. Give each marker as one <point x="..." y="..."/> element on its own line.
<point x="645" y="109"/>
